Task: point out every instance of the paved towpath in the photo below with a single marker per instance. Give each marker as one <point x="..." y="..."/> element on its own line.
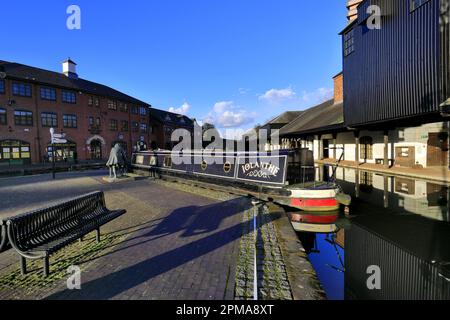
<point x="186" y="247"/>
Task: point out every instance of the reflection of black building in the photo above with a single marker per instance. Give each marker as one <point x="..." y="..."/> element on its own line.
<point x="410" y="250"/>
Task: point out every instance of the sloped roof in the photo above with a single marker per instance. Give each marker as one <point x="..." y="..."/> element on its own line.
<point x="285" y="117"/>
<point x="51" y="78"/>
<point x="322" y="116"/>
<point x="171" y="118"/>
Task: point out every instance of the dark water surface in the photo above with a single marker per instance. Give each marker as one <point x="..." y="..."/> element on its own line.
<point x="398" y="225"/>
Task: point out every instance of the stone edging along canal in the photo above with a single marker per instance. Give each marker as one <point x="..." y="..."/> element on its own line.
<point x="284" y="270"/>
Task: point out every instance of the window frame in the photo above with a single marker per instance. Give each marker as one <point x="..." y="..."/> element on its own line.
<point x="25" y="114"/>
<point x="24" y="86"/>
<point x="349" y="48"/>
<point x="3" y="115"/>
<point x="113" y="125"/>
<point x="46" y="90"/>
<point x="124" y="125"/>
<point x="70" y="119"/>
<point x="2" y="86"/>
<point x="54" y="120"/>
<point x="112" y="105"/>
<point x="65" y="94"/>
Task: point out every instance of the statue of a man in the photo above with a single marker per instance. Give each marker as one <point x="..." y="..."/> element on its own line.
<point x="117" y="159"/>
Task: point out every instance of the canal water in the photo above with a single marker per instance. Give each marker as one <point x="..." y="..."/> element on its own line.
<point x="394" y="244"/>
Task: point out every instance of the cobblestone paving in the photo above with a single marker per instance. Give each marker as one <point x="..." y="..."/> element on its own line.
<point x="272" y="279"/>
<point x="173" y="244"/>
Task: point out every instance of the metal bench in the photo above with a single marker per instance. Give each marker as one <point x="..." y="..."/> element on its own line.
<point x="4" y="244"/>
<point x="40" y="233"/>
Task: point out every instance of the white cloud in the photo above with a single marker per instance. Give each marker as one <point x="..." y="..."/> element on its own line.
<point x="275" y="96"/>
<point x="184" y="109"/>
<point x="317" y="96"/>
<point x="226" y="114"/>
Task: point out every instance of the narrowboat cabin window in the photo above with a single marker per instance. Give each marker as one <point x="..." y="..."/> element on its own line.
<point x="21" y="89"/>
<point x="349" y="43"/>
<point x="2" y="86"/>
<point x="3" y="120"/>
<point x="48" y="94"/>
<point x="417" y="3"/>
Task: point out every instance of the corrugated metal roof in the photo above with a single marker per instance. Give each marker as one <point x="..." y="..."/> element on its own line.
<point x="325" y="115"/>
<point x="284" y="118"/>
<point x="51" y="78"/>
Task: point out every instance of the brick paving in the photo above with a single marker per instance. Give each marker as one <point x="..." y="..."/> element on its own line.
<point x="179" y="245"/>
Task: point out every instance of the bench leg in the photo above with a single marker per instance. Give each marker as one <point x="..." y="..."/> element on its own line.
<point x="98" y="234"/>
<point x="46" y="266"/>
<point x="23" y="265"/>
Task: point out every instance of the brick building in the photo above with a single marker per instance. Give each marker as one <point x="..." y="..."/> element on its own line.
<point x="93" y="116"/>
<point x="163" y="124"/>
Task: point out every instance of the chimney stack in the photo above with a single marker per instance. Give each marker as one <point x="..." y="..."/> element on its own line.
<point x="352" y="6"/>
<point x="70" y="69"/>
<point x="338" y="87"/>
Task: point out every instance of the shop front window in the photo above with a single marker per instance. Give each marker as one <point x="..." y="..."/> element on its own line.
<point x="66" y="152"/>
<point x="15" y="152"/>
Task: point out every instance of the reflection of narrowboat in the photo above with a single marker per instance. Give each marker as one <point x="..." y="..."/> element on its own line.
<point x="286" y="177"/>
<point x="315" y="222"/>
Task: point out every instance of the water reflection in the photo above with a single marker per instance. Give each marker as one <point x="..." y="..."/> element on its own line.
<point x="398" y="224"/>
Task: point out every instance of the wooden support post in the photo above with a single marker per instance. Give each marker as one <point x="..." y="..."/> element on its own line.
<point x="334" y="146"/>
<point x="356" y="133"/>
<point x="357" y="188"/>
<point x="98" y="234"/>
<point x="386" y="191"/>
<point x="320" y="147"/>
<point x="46" y="266"/>
<point x="386" y="149"/>
<point x="23" y="265"/>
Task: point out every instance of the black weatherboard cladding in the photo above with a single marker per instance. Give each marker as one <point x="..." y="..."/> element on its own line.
<point x="395" y="72"/>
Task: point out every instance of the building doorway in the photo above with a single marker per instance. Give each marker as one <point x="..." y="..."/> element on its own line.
<point x="66" y="152"/>
<point x="96" y="150"/>
<point x="437" y="149"/>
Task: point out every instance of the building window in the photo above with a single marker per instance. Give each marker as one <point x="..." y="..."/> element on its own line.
<point x="91" y="121"/>
<point x="134" y="110"/>
<point x="3" y="120"/>
<point x="143" y="128"/>
<point x="98" y="122"/>
<point x="124" y="125"/>
<point x="21" y="89"/>
<point x="2" y="86"/>
<point x="70" y="121"/>
<point x="112" y="105"/>
<point x="48" y="94"/>
<point x="113" y="125"/>
<point x="143" y="111"/>
<point x="123" y="107"/>
<point x="94" y="101"/>
<point x="49" y="120"/>
<point x="366" y="148"/>
<point x="23" y="118"/>
<point x="69" y="97"/>
<point x="135" y="126"/>
<point x="417" y="3"/>
<point x="349" y="43"/>
<point x="15" y="151"/>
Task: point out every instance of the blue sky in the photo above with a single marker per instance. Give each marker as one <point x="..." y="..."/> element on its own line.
<point x="233" y="62"/>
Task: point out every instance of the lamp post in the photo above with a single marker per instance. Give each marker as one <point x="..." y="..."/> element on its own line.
<point x="52" y="133"/>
